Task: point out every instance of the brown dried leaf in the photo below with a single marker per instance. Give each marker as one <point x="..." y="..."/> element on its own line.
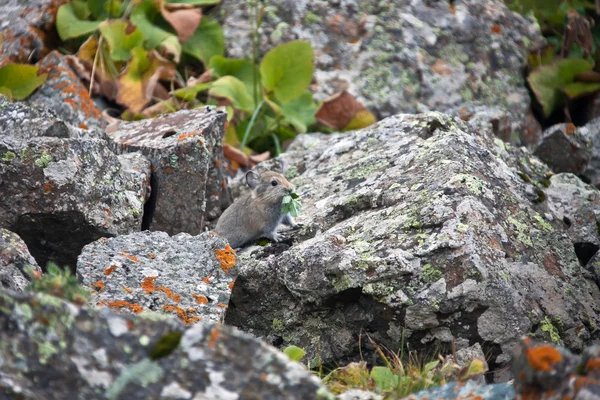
<point x="588" y="76"/>
<point x="184" y="18"/>
<point x="105" y="75"/>
<point x="205" y="77"/>
<point x="338" y="110"/>
<point x="578" y="31"/>
<point x="233" y="154"/>
<point x="161" y="107"/>
<point x="260" y="157"/>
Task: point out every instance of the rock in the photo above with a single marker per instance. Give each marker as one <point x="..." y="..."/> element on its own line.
<point x="64" y="94"/>
<point x="593" y="170"/>
<point x="185" y="149"/>
<point x="578" y="205"/>
<point x="24" y="29"/>
<point x="61" y="194"/>
<point x="14" y="262"/>
<point x="85" y="354"/>
<point x="188" y="276"/>
<point x="466" y="390"/>
<point x="593" y="266"/>
<point x="416" y="229"/>
<point x="565" y="148"/>
<point x="356" y="394"/>
<point x="402" y="56"/>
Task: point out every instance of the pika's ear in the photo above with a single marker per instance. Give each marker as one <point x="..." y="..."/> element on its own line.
<point x="260" y="169"/>
<point x="252" y="179"/>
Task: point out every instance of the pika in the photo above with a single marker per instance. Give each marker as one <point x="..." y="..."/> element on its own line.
<point x="258" y="213"/>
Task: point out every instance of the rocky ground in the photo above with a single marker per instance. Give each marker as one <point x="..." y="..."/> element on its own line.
<point x="454" y="224"/>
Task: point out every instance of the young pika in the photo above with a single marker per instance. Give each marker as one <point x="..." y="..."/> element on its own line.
<point x="258" y="213"/>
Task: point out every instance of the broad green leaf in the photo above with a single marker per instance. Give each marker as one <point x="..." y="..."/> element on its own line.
<point x="429" y="366"/>
<point x="294" y="352"/>
<point x="69" y="26"/>
<point x="148" y="19"/>
<point x="362" y="119"/>
<point x="231" y="136"/>
<point x="18" y="81"/>
<point x="384" y="378"/>
<point x="300" y="112"/>
<point x="171" y="48"/>
<point x="195" y="2"/>
<point x="576" y="89"/>
<point x="548" y="80"/>
<point x="233" y="89"/>
<point x="292" y="205"/>
<point x="81" y="9"/>
<point x="476" y="367"/>
<point x="189" y="93"/>
<point x="103" y="9"/>
<point x="122" y="37"/>
<point x="207" y="41"/>
<point x="242" y="69"/>
<point x="287" y="69"/>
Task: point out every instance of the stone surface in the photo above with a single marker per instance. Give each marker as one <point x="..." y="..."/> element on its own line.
<point x="86" y="355"/>
<point x="61" y="194"/>
<point x="467" y="390"/>
<point x="356" y="394"/>
<point x="417" y="228"/>
<point x="401" y="56"/>
<point x="24" y="29"/>
<point x="15" y="261"/>
<point x="565" y="148"/>
<point x="188" y="276"/>
<point x="592" y="172"/>
<point x="65" y="95"/>
<point x="185" y="149"/>
<point x="578" y="205"/>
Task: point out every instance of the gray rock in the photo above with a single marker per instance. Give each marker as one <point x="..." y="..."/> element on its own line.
<point x="356" y="394"/>
<point x="466" y="390"/>
<point x="84" y="354"/>
<point x="417" y="228"/>
<point x="188" y="276"/>
<point x="65" y="95"/>
<point x="61" y="194"/>
<point x="401" y="56"/>
<point x="185" y="149"/>
<point x="594" y="266"/>
<point x="15" y="261"/>
<point x="592" y="172"/>
<point x="578" y="205"/>
<point x="565" y="148"/>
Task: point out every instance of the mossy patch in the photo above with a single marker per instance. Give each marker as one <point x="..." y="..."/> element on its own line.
<point x="8" y="156"/>
<point x="43" y="160"/>
<point x="430" y="274"/>
<point x="547" y="326"/>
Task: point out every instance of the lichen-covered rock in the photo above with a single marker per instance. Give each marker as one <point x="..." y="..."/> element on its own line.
<point x="593" y="170"/>
<point x="24" y="28"/>
<point x="578" y="206"/>
<point x="61" y="194"/>
<point x="401" y="56"/>
<point x="565" y="148"/>
<point x="416" y="229"/>
<point x="356" y="394"/>
<point x="466" y="391"/>
<point x="54" y="350"/>
<point x="15" y="261"/>
<point x="65" y="95"/>
<point x="188" y="276"/>
<point x="185" y="149"/>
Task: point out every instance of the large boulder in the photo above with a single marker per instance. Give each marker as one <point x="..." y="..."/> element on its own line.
<point x="185" y="149"/>
<point x="61" y="188"/>
<point x="54" y="350"/>
<point x="419" y="229"/>
<point x="16" y="264"/>
<point x="187" y="276"/>
<point x="401" y="56"/>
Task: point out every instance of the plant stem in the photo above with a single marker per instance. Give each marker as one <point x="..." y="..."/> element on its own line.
<point x="277" y="144"/>
<point x="94" y="65"/>
<point x="251" y="124"/>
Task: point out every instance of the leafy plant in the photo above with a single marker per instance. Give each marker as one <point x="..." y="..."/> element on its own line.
<point x="291" y="205"/>
<point x="294" y="352"/>
<point x="18" y="81"/>
<point x="58" y="282"/>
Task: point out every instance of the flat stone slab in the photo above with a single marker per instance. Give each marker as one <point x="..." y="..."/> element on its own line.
<point x="188" y="276"/>
<point x="185" y="149"/>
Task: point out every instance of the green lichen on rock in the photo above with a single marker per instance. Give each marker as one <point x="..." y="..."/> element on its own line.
<point x="430" y="274"/>
<point x="474" y="184"/>
<point x="43" y="160"/>
<point x="8" y="156"/>
<point x="521" y="230"/>
<point x="143" y="372"/>
<point x="543" y="223"/>
<point x="547" y="326"/>
<point x="277" y="325"/>
<point x="291" y="173"/>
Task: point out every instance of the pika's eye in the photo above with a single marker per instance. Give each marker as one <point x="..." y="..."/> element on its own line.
<point x="273" y="182"/>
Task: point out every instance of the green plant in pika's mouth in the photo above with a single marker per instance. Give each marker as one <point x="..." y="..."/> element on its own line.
<point x="291" y="205"/>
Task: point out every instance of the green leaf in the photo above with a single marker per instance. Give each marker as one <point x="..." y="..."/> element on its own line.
<point x="69" y="26"/>
<point x="147" y="18"/>
<point x="121" y="38"/>
<point x="235" y="91"/>
<point x="189" y="93"/>
<point x="206" y="42"/>
<point x="576" y="89"/>
<point x="171" y="48"/>
<point x="548" y="80"/>
<point x="429" y="366"/>
<point x="242" y="69"/>
<point x="384" y="378"/>
<point x="291" y="205"/>
<point x="362" y="119"/>
<point x="81" y="9"/>
<point x="104" y="9"/>
<point x="18" y="81"/>
<point x="294" y="352"/>
<point x="300" y="112"/>
<point x="195" y="2"/>
<point x="287" y="69"/>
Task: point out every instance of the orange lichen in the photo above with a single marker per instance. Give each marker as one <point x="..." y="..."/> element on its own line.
<point x="227" y="258"/>
<point x="218" y="163"/>
<point x="148" y="284"/>
<point x="98" y="285"/>
<point x="107" y="210"/>
<point x="184" y="136"/>
<point x="47" y="187"/>
<point x="593" y="364"/>
<point x="570" y="129"/>
<point x="542" y="358"/>
<point x="101" y="303"/>
<point x="83" y="126"/>
<point x="152" y="256"/>
<point x="130" y="325"/>
<point x="222" y="305"/>
<point x="125" y="288"/>
<point x="133" y="258"/>
<point x="175" y="297"/>
<point x="181" y="313"/>
<point x="115" y="305"/>
<point x="206" y="280"/>
<point x="200" y="299"/>
<point x="110" y="270"/>
<point x="231" y="284"/>
<point x="214" y="335"/>
<point x="496" y="28"/>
